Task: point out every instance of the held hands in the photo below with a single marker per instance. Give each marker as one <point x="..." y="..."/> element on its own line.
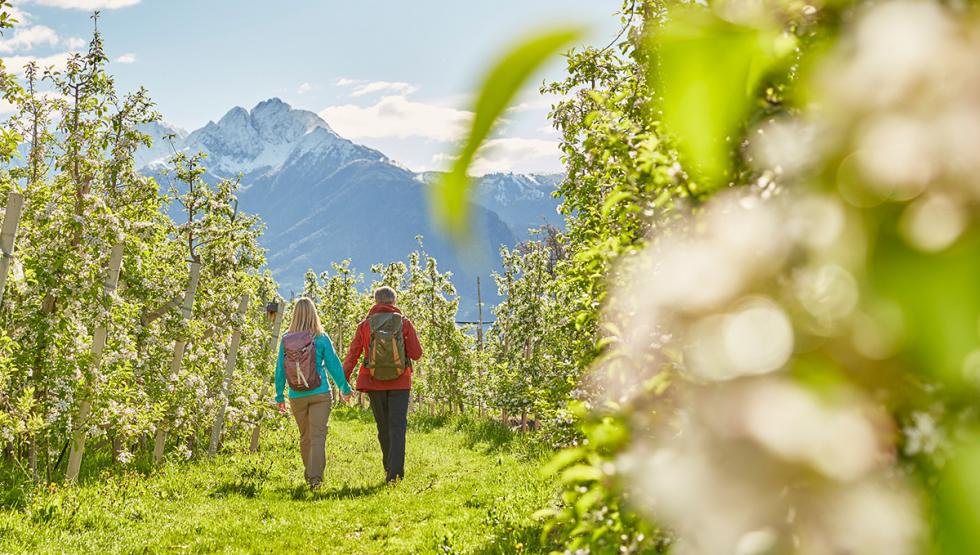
<point x="347" y="398"/>
<point x="281" y="407"/>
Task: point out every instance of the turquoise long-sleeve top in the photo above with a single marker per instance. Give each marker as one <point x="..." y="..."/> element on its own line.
<point x="327" y="363"/>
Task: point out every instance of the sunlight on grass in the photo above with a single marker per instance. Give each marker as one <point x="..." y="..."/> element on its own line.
<point x="470" y="487"/>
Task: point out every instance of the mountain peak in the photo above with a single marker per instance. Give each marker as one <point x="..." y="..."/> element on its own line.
<point x="274" y="104"/>
<point x="268" y="136"/>
<point x="235" y="116"/>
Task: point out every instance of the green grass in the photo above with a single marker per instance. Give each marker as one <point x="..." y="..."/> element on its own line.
<point x="470" y="487"/>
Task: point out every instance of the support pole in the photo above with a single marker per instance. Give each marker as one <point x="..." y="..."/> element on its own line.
<point x="479" y="307"/>
<point x="186" y="310"/>
<point x="274" y="349"/>
<point x="479" y="343"/>
<point x="98" y="346"/>
<point x="219" y="418"/>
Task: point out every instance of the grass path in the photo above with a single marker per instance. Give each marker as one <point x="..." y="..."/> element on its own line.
<point x="470" y="488"/>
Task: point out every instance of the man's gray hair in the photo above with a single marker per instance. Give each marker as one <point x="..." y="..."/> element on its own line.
<point x="384" y="295"/>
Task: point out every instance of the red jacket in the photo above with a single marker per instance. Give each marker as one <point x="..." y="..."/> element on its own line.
<point x="359" y="346"/>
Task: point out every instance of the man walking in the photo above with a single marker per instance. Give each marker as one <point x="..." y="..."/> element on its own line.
<point x="388" y="342"/>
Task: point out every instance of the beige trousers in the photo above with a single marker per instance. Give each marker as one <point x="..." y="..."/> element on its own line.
<point x="312" y="414"/>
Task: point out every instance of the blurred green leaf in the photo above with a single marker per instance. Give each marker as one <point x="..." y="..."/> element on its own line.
<point x="588" y="499"/>
<point x="449" y="197"/>
<point x="959" y="502"/>
<point x="581" y="473"/>
<point x="562" y="460"/>
<point x="707" y="70"/>
<point x="939" y="299"/>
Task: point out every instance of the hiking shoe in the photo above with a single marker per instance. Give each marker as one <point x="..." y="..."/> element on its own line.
<point x="314" y="485"/>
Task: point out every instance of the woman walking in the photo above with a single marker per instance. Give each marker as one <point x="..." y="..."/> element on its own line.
<point x="306" y="358"/>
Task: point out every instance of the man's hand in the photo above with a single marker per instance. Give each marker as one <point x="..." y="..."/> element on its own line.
<point x="282" y="408"/>
<point x="346" y="398"/>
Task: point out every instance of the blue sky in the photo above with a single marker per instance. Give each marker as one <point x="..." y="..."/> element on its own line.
<point x="396" y="75"/>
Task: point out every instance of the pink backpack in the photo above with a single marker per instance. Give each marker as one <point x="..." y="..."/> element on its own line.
<point x="299" y="361"/>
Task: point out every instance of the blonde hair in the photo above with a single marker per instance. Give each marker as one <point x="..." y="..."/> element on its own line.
<point x="305" y="317"/>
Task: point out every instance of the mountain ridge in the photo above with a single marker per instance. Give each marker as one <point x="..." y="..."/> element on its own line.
<point x="325" y="198"/>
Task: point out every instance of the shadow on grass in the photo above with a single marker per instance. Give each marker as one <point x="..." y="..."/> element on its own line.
<point x="302" y="492"/>
<point x="242" y="488"/>
<point x="349" y="492"/>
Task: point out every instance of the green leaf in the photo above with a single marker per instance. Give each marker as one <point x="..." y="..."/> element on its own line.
<point x="614" y="199"/>
<point x="588" y="499"/>
<point x="958" y="508"/>
<point x="562" y="459"/>
<point x="581" y="473"/>
<point x="450" y="196"/>
<point x="939" y="300"/>
<point x="708" y="70"/>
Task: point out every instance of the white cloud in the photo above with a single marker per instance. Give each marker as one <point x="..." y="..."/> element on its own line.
<point x="16" y="64"/>
<point x="75" y="43"/>
<point x="26" y="38"/>
<point x="345" y="82"/>
<point x="516" y="154"/>
<point x="87" y="5"/>
<point x="537" y="101"/>
<point x="384" y="86"/>
<point x="19" y="15"/>
<point x="366" y="87"/>
<point x="304" y="88"/>
<point x="398" y="117"/>
<point x="128" y="58"/>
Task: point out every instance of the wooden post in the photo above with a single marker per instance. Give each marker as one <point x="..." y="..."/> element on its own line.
<point x="219" y="418"/>
<point x="186" y="309"/>
<point x="479" y="308"/>
<point x="98" y="346"/>
<point x="274" y="348"/>
<point x="8" y="234"/>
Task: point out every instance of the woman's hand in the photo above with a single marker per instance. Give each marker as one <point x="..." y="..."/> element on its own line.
<point x="282" y="408"/>
<point x="346" y="398"/>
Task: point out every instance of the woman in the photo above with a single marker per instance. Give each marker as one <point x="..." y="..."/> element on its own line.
<point x="306" y="358"/>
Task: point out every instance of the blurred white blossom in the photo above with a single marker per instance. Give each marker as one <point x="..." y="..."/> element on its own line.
<point x="765" y="466"/>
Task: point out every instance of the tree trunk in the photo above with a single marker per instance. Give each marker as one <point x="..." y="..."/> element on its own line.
<point x="98" y="346"/>
<point x="219" y="418"/>
<point x="8" y="234"/>
<point x="187" y="309"/>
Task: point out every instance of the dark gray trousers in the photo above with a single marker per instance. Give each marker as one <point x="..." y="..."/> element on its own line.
<point x="390" y="410"/>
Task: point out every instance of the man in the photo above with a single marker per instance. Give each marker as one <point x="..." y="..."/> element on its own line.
<point x="388" y="342"/>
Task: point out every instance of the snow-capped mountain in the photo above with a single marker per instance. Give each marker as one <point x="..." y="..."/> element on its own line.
<point x="325" y="198"/>
<point x="523" y="201"/>
<point x="262" y="140"/>
<point x="165" y="138"/>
